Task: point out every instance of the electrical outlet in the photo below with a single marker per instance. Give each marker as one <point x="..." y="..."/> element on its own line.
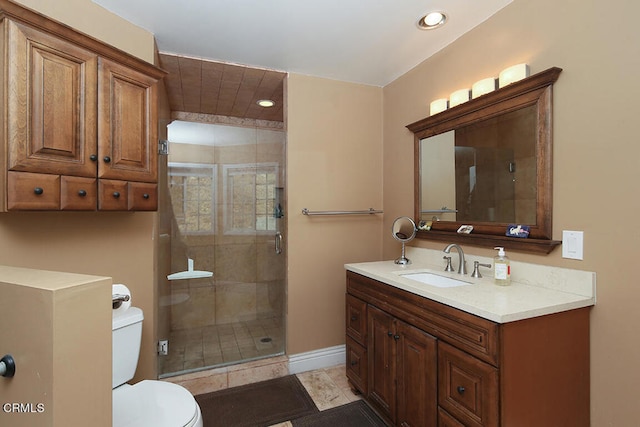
<point x="163" y="347"/>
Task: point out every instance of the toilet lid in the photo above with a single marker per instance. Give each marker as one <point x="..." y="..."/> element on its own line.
<point x="153" y="403"/>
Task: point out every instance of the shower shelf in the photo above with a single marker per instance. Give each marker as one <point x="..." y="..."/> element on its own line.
<point x="190" y="273"/>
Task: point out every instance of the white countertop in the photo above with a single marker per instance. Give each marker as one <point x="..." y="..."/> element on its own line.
<point x="536" y="290"/>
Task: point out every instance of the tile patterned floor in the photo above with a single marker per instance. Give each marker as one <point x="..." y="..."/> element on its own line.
<point x="327" y="387"/>
<point x="217" y="345"/>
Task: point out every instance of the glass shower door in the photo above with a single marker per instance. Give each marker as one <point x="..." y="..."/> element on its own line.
<point x="225" y="186"/>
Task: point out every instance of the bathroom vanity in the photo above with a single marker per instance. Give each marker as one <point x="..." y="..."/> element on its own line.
<point x="472" y="355"/>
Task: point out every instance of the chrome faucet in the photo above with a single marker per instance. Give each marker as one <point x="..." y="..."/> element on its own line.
<point x="462" y="266"/>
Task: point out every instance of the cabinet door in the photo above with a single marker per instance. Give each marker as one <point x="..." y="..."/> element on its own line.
<point x="417" y="377"/>
<point x="127" y="124"/>
<point x="356" y="365"/>
<point x="51" y="117"/>
<point x="381" y="352"/>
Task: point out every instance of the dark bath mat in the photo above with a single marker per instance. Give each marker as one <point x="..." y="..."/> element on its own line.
<point x="256" y="405"/>
<point x="354" y="414"/>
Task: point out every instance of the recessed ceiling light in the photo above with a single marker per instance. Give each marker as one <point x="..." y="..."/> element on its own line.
<point x="266" y="103"/>
<point x="432" y="20"/>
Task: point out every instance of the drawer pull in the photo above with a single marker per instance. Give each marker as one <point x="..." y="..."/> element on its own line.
<point x="82" y="193"/>
<point x="116" y="194"/>
<point x="460" y="389"/>
<point x="145" y="196"/>
<point x="107" y="159"/>
<point x="38" y="190"/>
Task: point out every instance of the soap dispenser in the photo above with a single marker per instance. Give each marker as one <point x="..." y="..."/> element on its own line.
<point x="502" y="268"/>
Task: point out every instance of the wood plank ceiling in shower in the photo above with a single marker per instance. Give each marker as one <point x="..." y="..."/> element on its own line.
<point x="216" y="88"/>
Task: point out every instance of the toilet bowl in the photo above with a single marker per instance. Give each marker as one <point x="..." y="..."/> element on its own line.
<point x="149" y="402"/>
<point x="155" y="403"/>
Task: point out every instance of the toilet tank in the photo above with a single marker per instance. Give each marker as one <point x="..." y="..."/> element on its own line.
<point x="127" y="335"/>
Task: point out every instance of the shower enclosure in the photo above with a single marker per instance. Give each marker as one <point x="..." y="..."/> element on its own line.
<point x="221" y="290"/>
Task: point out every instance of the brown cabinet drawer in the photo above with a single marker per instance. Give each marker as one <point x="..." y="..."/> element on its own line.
<point x="112" y="195"/>
<point x="33" y="191"/>
<point x="357" y="365"/>
<point x="78" y="194"/>
<point x="446" y="420"/>
<point x="467" y="387"/>
<point x="356" y="318"/>
<point x="143" y="196"/>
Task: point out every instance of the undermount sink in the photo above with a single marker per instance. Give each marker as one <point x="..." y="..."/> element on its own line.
<point x="437" y="280"/>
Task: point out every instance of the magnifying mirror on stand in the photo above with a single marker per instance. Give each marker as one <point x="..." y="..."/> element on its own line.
<point x="403" y="230"/>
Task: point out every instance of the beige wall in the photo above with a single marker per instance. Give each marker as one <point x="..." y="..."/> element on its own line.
<point x="334" y="147"/>
<point x="595" y="158"/>
<point x="92" y="19"/>
<point x="119" y="245"/>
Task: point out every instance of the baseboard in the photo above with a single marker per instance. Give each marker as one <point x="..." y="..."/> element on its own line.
<point x="317" y="359"/>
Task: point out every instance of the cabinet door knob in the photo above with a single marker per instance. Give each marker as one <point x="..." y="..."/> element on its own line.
<point x="145" y="196"/>
<point x="460" y="389"/>
<point x="107" y="159"/>
<point x="354" y="362"/>
<point x="396" y="337"/>
<point x="38" y="190"/>
<point x="93" y="157"/>
<point x="354" y="318"/>
<point x="82" y="193"/>
<point x="390" y="333"/>
<point x="116" y="194"/>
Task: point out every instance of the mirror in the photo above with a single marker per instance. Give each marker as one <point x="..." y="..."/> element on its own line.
<point x="482" y="172"/>
<point x="403" y="230"/>
<point x="487" y="163"/>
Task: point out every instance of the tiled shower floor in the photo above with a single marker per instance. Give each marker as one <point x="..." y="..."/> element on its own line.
<point x="218" y="345"/>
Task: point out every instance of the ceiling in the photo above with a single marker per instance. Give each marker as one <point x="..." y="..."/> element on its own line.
<point x="198" y="86"/>
<point x="360" y="41"/>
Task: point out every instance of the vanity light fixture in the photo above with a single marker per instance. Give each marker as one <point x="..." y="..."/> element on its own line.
<point x="266" y="103"/>
<point x="438" y="106"/>
<point x="513" y="74"/>
<point x="458" y="97"/>
<point x="432" y="20"/>
<point x="483" y="86"/>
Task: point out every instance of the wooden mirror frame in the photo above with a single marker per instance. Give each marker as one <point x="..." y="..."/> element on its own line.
<point x="533" y="90"/>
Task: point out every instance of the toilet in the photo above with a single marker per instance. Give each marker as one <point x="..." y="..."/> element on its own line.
<point x="147" y="403"/>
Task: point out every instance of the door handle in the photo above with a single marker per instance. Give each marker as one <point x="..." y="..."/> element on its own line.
<point x="278" y="242"/>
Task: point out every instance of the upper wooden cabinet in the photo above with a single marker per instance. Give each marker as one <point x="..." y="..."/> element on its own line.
<point x="127" y="124"/>
<point x="51" y="103"/>
<point x="77" y="111"/>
